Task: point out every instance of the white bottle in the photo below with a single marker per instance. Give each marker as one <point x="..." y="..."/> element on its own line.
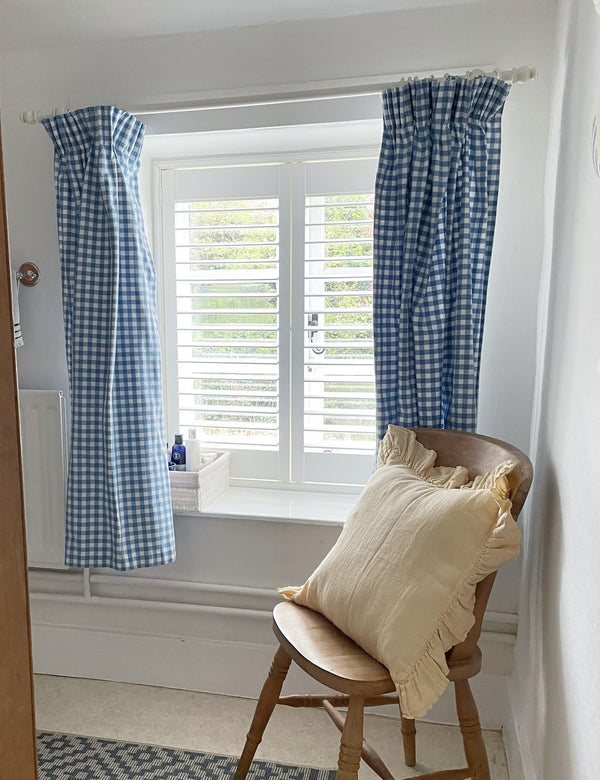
<point x="193" y="452"/>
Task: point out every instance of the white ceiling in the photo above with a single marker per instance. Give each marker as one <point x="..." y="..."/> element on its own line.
<point x="32" y="24"/>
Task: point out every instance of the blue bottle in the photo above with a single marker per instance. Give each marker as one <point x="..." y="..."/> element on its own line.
<point x="178" y="453"/>
<point x="170" y="463"/>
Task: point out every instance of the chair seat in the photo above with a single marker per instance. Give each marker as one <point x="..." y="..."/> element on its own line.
<point x="327" y="654"/>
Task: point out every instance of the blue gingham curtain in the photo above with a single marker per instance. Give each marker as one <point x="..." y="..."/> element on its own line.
<point x="118" y="497"/>
<point x="435" y="211"/>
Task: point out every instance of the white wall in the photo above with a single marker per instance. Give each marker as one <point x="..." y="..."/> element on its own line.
<point x="555" y="688"/>
<point x="505" y="33"/>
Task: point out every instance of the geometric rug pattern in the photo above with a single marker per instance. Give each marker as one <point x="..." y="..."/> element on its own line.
<point x="71" y="757"/>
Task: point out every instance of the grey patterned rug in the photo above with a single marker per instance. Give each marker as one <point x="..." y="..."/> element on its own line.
<point x="68" y="757"/>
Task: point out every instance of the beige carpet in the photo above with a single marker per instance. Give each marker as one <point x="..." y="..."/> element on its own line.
<point x="218" y="724"/>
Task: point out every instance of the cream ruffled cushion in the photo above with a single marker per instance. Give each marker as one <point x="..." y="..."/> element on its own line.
<point x="400" y="580"/>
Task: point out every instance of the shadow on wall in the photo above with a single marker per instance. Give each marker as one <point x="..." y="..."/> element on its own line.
<point x="543" y="682"/>
<point x="551" y="657"/>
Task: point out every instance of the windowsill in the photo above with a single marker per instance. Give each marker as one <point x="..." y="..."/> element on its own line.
<point x="287" y="506"/>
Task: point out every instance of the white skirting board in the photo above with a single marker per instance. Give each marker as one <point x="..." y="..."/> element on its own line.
<point x="205" y="648"/>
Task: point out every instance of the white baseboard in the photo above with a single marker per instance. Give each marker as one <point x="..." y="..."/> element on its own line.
<point x="190" y="663"/>
<point x="209" y="648"/>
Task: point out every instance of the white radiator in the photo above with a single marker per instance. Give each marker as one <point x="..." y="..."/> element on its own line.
<point x="44" y="451"/>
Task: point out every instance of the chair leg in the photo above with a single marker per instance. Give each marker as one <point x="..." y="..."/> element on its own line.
<point x="352" y="741"/>
<point x="409" y="741"/>
<point x="264" y="709"/>
<point x="468" y="717"/>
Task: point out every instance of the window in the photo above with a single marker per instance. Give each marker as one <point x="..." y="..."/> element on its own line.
<point x="268" y="310"/>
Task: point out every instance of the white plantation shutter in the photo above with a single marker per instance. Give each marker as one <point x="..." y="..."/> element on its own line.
<point x="339" y="392"/>
<point x="338" y="355"/>
<point x="222" y="248"/>
<point x="227" y="256"/>
<point x="268" y="297"/>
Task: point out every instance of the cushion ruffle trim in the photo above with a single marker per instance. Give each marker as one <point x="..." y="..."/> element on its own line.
<point x="399" y="447"/>
<point x="427" y="679"/>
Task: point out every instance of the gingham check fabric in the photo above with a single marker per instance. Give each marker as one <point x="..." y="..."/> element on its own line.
<point x="435" y="211"/>
<point x="118" y="498"/>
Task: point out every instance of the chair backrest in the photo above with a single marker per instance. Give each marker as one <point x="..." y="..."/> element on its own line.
<point x="479" y="454"/>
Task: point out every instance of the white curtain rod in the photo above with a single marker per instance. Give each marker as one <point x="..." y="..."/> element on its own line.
<point x="343" y="88"/>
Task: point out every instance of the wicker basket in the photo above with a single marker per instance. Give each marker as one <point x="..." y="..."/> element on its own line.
<point x="193" y="491"/>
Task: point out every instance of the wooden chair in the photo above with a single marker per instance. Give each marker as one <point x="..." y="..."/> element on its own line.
<point x="330" y="657"/>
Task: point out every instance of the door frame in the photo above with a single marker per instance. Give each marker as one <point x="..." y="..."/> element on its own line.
<point x="17" y="713"/>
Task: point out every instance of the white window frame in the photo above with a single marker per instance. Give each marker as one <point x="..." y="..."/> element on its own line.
<point x="162" y="169"/>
